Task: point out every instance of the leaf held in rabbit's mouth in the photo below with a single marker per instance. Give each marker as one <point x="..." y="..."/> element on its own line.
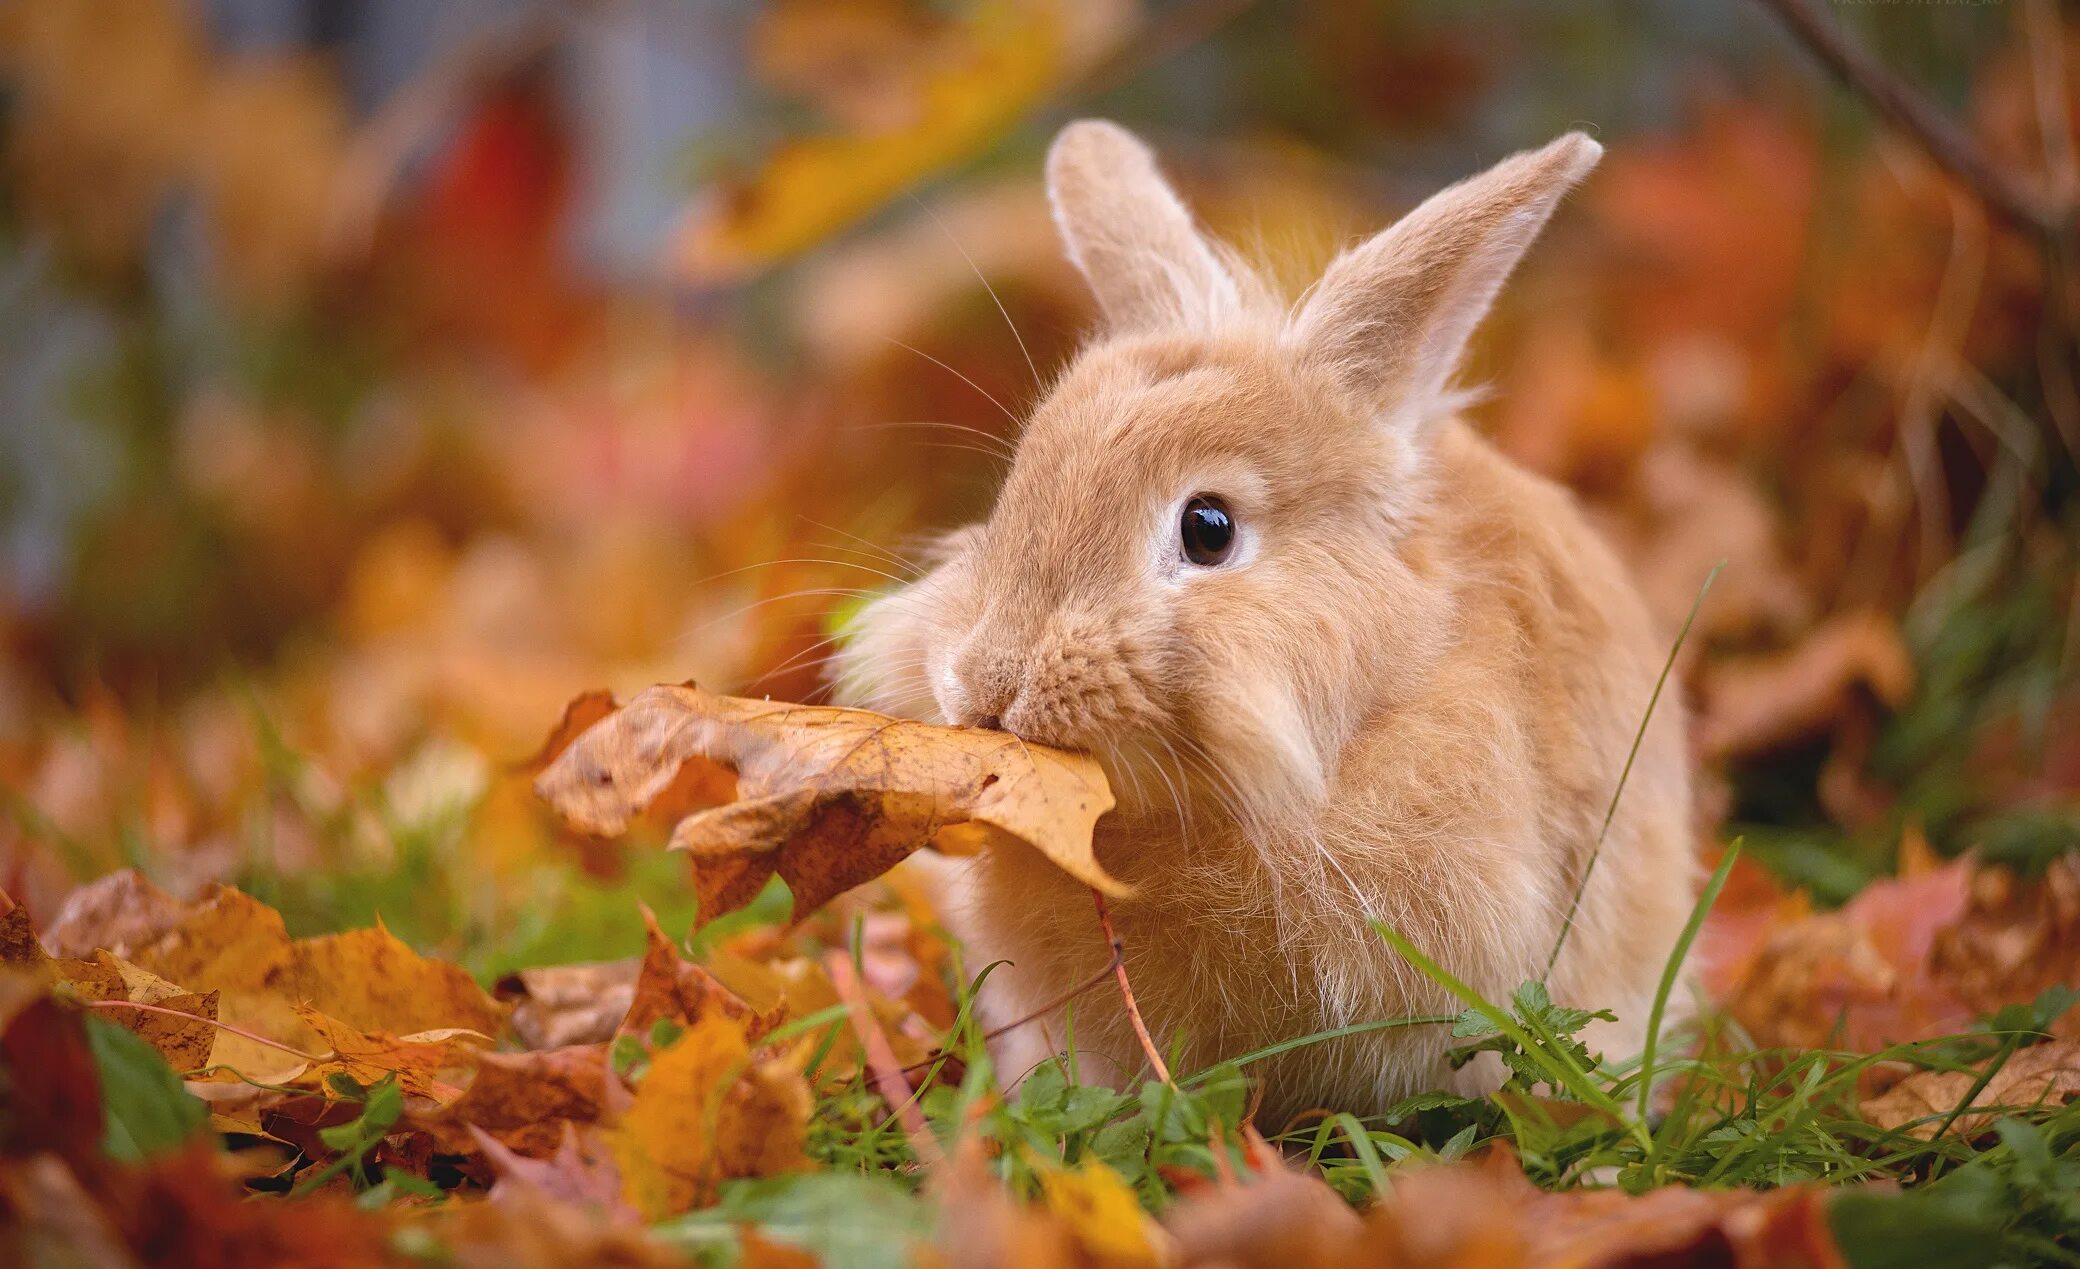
<point x="826" y="798"/>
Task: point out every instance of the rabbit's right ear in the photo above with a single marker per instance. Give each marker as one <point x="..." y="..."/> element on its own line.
<point x="1129" y="234"/>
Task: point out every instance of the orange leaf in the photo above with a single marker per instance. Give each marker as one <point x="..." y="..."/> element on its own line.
<point x="828" y="798"/>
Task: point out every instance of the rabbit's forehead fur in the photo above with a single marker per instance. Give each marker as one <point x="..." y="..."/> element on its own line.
<point x="1139" y="424"/>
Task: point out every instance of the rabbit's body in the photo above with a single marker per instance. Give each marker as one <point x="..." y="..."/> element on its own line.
<point x="1403" y="687"/>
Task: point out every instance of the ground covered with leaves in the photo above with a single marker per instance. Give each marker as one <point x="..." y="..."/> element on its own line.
<point x="340" y="477"/>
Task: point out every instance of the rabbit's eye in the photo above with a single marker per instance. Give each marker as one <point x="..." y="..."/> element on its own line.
<point x="1207" y="531"/>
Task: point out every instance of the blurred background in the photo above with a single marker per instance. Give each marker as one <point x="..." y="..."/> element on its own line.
<point x="375" y="377"/>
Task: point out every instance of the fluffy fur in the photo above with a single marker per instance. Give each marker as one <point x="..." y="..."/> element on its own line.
<point x="1408" y="694"/>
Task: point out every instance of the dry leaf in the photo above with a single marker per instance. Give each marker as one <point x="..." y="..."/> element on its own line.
<point x="828" y="798"/>
<point x="2015" y="939"/>
<point x="417" y="1059"/>
<point x="668" y="986"/>
<point x="118" y="912"/>
<point x="1280" y="1220"/>
<point x="706" y="1110"/>
<point x="559" y="1005"/>
<point x="370" y="980"/>
<point x="581" y="1171"/>
<point x="2041" y="1074"/>
<point x="1104" y="1218"/>
<point x="524" y="1100"/>
<point x="183" y="1037"/>
<point x="1758" y="704"/>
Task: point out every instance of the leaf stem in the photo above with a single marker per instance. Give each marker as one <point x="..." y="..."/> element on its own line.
<point x="221" y="1026"/>
<point x="1126" y="990"/>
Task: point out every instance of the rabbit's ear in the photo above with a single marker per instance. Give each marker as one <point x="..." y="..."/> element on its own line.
<point x="1391" y="317"/>
<point x="1130" y="235"/>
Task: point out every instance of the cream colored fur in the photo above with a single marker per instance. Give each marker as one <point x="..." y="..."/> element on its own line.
<point x="1408" y="695"/>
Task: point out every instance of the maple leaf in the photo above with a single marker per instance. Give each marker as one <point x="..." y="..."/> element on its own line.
<point x="2039" y="1074"/>
<point x="559" y="1005"/>
<point x="827" y="798"/>
<point x="180" y="1027"/>
<point x="416" y="1059"/>
<point x="668" y="986"/>
<point x="523" y="1100"/>
<point x="707" y="1110"/>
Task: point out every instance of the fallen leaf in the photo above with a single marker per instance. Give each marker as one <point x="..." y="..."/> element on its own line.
<point x="1858" y="977"/>
<point x="2039" y="1074"/>
<point x="2015" y="939"/>
<point x="183" y="1036"/>
<point x="668" y="986"/>
<point x="369" y="979"/>
<point x="523" y="1100"/>
<point x="1760" y="703"/>
<point x="1282" y="1219"/>
<point x="828" y="798"/>
<point x="122" y="912"/>
<point x="558" y="1005"/>
<point x="581" y="1171"/>
<point x="708" y="1110"/>
<point x="417" y="1059"/>
<point x="1104" y="1217"/>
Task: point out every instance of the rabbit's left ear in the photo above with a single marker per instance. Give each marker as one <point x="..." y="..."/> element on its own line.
<point x="1390" y="318"/>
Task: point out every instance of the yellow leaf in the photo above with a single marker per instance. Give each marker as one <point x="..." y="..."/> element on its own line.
<point x="1104" y="1217"/>
<point x="370" y="980"/>
<point x="983" y="73"/>
<point x="827" y="798"/>
<point x="417" y="1059"/>
<point x="706" y="1111"/>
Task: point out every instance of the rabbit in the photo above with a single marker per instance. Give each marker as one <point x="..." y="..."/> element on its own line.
<point x="1342" y="661"/>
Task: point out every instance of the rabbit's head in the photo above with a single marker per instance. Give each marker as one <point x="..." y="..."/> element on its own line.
<point x="1201" y="553"/>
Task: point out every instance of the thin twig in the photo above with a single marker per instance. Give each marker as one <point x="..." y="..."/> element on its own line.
<point x="1126" y="989"/>
<point x="1906" y="109"/>
<point x="221" y="1026"/>
<point x="881" y="1060"/>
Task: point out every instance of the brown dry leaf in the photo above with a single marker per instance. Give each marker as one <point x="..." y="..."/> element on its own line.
<point x="1488" y="1214"/>
<point x="1280" y="1220"/>
<point x="524" y="1100"/>
<point x="559" y="1005"/>
<point x="2015" y="939"/>
<point x="1859" y="976"/>
<point x="370" y="980"/>
<point x="828" y="798"/>
<point x="2041" y="1074"/>
<point x="581" y="1171"/>
<point x="1761" y="703"/>
<point x="687" y="1129"/>
<point x="119" y="911"/>
<point x="183" y="1037"/>
<point x="668" y="986"/>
